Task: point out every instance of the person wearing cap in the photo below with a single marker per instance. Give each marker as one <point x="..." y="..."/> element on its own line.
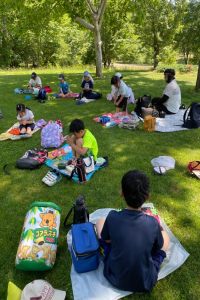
<point x="87" y="85"/>
<point x="64" y="87"/>
<point x="121" y="93"/>
<point x="110" y="97"/>
<point x="171" y="98"/>
<point x="34" y="82"/>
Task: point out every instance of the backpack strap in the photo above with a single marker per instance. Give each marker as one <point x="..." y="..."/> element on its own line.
<point x="185" y="113"/>
<point x="67" y="217"/>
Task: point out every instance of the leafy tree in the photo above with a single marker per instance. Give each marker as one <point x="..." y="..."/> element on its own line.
<point x="155" y="22"/>
<point x="92" y="12"/>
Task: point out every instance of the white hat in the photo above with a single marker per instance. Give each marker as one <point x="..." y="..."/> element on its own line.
<point x="41" y="290"/>
<point x="118" y="75"/>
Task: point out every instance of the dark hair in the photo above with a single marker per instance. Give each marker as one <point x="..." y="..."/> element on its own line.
<point x="135" y="188"/>
<point x="33" y="75"/>
<point x="20" y="107"/>
<point x="114" y="80"/>
<point x="61" y="76"/>
<point x="76" y="125"/>
<point x="170" y="74"/>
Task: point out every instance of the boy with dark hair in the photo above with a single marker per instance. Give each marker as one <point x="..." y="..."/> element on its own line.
<point x="137" y="243"/>
<point x="82" y="141"/>
<point x="64" y="86"/>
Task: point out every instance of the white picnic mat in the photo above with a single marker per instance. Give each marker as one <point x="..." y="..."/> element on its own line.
<point x="94" y="286"/>
<point x="171" y="122"/>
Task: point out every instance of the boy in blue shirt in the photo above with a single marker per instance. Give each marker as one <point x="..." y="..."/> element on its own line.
<point x="64" y="86"/>
<point x="136" y="243"/>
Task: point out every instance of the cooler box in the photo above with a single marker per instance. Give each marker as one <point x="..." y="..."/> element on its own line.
<point x="85" y="247"/>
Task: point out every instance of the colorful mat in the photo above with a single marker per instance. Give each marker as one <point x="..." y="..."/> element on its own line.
<point x="8" y="136"/>
<point x="108" y="120"/>
<point x="53" y="163"/>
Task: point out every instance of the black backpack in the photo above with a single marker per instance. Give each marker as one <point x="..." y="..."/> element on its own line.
<point x="32" y="159"/>
<point x="143" y="101"/>
<point x="191" y="118"/>
<point x="81" y="214"/>
<point x="42" y="95"/>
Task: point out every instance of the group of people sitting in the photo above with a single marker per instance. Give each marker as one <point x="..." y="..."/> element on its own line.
<point x="134" y="253"/>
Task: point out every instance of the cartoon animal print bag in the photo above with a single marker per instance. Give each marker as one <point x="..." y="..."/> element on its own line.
<point x="38" y="242"/>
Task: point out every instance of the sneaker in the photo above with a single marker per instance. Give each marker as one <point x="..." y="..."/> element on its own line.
<point x="52" y="177"/>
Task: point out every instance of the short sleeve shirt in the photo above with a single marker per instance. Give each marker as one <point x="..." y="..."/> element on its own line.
<point x="27" y="117"/>
<point x="123" y="90"/>
<point x="64" y="86"/>
<point x="87" y="84"/>
<point x="90" y="142"/>
<point x="172" y="90"/>
<point x="134" y="237"/>
<point x="35" y="82"/>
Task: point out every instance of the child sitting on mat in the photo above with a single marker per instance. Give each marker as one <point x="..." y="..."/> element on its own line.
<point x="87" y="87"/>
<point x="121" y="93"/>
<point x="82" y="140"/>
<point x="64" y="86"/>
<point x="136" y="250"/>
<point x="25" y="118"/>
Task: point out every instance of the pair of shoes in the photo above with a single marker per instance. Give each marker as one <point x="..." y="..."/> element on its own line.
<point x="52" y="177"/>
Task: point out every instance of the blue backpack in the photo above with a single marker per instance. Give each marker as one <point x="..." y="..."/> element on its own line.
<point x="85" y="247"/>
<point x="42" y="95"/>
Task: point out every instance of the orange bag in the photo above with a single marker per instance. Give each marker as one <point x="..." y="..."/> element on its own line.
<point x="14" y="131"/>
<point x="149" y="123"/>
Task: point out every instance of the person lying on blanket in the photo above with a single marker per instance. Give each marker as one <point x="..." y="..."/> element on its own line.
<point x="25" y="118"/>
<point x="64" y="86"/>
<point x="135" y="251"/>
<point x="170" y="101"/>
<point x="82" y="140"/>
<point x="121" y="94"/>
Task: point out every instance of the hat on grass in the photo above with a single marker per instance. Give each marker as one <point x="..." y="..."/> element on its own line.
<point x="41" y="290"/>
<point x="33" y="75"/>
<point x="119" y="75"/>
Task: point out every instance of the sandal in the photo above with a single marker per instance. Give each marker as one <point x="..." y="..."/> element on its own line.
<point x="52" y="177"/>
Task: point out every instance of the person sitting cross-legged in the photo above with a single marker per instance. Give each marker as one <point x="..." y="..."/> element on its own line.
<point x="135" y="244"/>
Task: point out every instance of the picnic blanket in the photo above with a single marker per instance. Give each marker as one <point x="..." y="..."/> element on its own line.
<point x="8" y="136"/>
<point x="171" y="122"/>
<point x="53" y="163"/>
<point x="93" y="285"/>
<point x="108" y="120"/>
<point x="67" y="96"/>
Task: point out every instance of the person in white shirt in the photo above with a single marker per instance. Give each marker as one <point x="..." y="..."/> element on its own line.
<point x="170" y="101"/>
<point x="25" y="118"/>
<point x="35" y="81"/>
<point x="121" y="93"/>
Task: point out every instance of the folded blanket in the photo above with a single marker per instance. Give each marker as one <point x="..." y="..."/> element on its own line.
<point x="6" y="135"/>
<point x="93" y="285"/>
<point x="171" y="122"/>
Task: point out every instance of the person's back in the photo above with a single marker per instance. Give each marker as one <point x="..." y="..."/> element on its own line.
<point x="133" y="241"/>
<point x="129" y="265"/>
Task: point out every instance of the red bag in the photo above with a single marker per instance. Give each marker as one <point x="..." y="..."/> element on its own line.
<point x="48" y="89"/>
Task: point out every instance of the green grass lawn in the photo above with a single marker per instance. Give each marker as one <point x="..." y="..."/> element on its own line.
<point x="175" y="195"/>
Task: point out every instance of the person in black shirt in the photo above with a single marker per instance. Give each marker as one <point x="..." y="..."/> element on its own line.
<point x="135" y="242"/>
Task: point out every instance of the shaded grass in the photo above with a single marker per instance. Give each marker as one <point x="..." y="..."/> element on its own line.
<point x="175" y="195"/>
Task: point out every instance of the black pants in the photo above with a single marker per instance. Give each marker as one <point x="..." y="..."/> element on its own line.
<point x="159" y="105"/>
<point x="123" y="103"/>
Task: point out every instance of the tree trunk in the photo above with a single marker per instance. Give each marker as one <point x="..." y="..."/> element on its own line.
<point x="197" y="87"/>
<point x="98" y="50"/>
<point x="155" y="58"/>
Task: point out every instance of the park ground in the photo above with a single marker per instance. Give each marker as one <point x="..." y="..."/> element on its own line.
<point x="176" y="195"/>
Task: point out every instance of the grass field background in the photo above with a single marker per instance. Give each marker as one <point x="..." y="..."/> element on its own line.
<point x="176" y="195"/>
